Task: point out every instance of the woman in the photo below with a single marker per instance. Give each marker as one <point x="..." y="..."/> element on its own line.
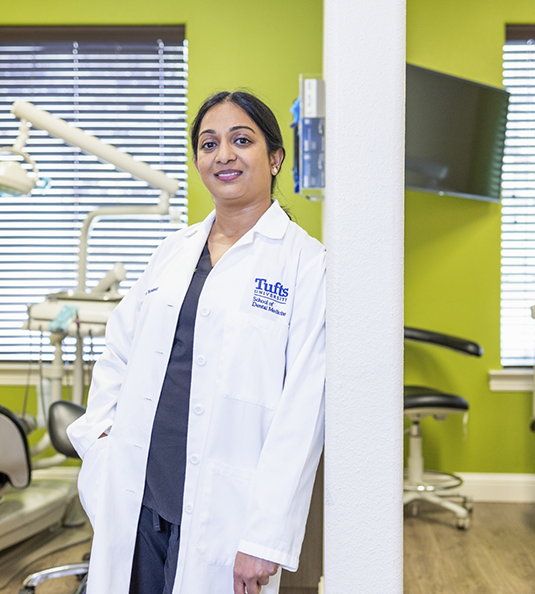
<point x="204" y="423"/>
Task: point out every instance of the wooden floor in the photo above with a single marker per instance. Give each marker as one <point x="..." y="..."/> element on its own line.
<point x="496" y="556"/>
<point x="65" y="585"/>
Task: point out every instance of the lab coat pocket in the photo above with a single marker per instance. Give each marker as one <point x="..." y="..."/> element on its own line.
<point x="253" y="358"/>
<point x="89" y="477"/>
<point x="222" y="517"/>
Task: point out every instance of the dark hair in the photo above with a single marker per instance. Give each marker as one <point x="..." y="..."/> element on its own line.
<point x="257" y="110"/>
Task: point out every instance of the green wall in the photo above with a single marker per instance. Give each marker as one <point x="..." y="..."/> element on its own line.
<point x="453" y="258"/>
<point x="452" y="244"/>
<point x="262" y="46"/>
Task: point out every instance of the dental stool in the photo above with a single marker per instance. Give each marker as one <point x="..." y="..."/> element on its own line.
<point x="420" y="402"/>
<point x="61" y="414"/>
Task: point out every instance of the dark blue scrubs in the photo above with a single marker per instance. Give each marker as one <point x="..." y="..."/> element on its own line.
<point x="156" y="552"/>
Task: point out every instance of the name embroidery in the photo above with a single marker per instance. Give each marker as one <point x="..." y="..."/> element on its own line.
<point x="268" y="295"/>
<point x="151" y="290"/>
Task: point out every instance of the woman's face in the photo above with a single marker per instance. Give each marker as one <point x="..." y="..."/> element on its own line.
<point x="232" y="157"/>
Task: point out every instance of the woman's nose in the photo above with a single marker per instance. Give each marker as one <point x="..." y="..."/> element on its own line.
<point x="225" y="152"/>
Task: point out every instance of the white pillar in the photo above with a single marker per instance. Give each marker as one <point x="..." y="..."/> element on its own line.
<point x="364" y="66"/>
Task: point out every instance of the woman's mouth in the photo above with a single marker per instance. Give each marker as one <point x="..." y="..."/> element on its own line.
<point x="228" y="175"/>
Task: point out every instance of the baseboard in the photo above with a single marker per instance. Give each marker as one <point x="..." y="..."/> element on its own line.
<point x="498" y="487"/>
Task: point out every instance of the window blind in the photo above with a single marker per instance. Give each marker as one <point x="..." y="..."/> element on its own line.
<point x="128" y="87"/>
<point x="518" y="201"/>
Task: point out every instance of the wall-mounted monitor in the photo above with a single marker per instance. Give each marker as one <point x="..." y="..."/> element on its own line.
<point x="455" y="135"/>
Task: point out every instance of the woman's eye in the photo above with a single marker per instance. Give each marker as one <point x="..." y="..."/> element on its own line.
<point x="208" y="145"/>
<point x="243" y="140"/>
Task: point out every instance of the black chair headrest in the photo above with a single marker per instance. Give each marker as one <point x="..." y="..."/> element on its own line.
<point x="60" y="415"/>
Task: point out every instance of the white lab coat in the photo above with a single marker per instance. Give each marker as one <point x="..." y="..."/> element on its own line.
<point x="256" y="416"/>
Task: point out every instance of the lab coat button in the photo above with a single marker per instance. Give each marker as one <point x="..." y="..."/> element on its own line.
<point x="201" y="360"/>
<point x="194" y="459"/>
<point x="198" y="409"/>
<point x="205" y="312"/>
<point x="189" y="508"/>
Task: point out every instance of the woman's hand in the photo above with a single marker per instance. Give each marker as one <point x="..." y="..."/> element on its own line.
<point x="251" y="573"/>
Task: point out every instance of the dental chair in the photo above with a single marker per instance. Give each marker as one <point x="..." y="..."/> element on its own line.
<point x="420" y="402"/>
<point x="61" y="414"/>
<point x="29" y="504"/>
<point x="15" y="464"/>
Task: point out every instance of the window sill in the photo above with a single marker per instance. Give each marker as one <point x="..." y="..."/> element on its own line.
<point x="511" y="380"/>
<point x="500" y="380"/>
<point x="16" y="374"/>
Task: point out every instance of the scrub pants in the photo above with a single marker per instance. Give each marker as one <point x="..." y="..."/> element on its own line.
<point x="155" y="555"/>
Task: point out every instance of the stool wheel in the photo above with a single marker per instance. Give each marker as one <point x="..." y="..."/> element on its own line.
<point x="463" y="523"/>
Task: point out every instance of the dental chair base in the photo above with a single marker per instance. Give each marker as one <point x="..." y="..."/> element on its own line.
<point x="61" y="414"/>
<point x="37" y="578"/>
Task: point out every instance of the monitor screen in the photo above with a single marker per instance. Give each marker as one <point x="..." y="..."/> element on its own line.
<point x="455" y="135"/>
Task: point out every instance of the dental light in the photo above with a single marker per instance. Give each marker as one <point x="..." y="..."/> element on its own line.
<point x="14" y="179"/>
<point x="91" y="309"/>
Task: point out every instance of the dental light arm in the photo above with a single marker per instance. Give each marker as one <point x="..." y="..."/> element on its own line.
<point x="90" y="144"/>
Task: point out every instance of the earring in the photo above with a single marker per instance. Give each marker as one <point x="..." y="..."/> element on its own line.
<point x="274" y="171"/>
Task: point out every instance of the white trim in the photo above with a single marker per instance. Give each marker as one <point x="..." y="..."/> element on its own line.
<point x="500" y="380"/>
<point x="16" y="374"/>
<point x="498" y="487"/>
<point x="511" y="380"/>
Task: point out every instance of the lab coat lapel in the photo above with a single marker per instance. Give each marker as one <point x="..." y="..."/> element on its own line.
<point x="186" y="260"/>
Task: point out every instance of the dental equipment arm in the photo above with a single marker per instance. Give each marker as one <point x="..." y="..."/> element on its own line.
<point x="90" y="144"/>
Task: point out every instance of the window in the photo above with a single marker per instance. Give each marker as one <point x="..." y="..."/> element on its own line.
<point x="125" y="85"/>
<point x="518" y="200"/>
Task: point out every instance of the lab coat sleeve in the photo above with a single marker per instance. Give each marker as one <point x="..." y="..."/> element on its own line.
<point x="284" y="478"/>
<point x="110" y="369"/>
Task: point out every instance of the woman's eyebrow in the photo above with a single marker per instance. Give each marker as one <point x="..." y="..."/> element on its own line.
<point x="240" y="127"/>
<point x="233" y="129"/>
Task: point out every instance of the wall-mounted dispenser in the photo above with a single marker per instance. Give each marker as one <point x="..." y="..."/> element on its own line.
<point x="309" y="138"/>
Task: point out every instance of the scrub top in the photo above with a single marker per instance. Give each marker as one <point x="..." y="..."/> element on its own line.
<point x="166" y="466"/>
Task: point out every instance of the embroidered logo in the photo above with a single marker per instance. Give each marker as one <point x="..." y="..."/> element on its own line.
<point x="269" y="295"/>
